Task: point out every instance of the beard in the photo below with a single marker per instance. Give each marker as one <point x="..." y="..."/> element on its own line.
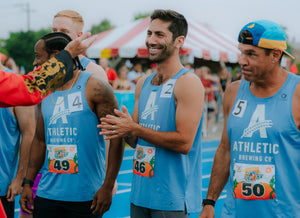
<point x="166" y="51"/>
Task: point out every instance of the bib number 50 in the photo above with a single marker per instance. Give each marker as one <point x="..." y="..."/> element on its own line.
<point x="258" y="190"/>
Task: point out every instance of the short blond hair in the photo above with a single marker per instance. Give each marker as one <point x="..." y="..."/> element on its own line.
<point x="74" y="15"/>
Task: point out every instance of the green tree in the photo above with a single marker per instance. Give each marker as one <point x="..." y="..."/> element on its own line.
<point x="103" y="26"/>
<point x="20" y="46"/>
<point x="141" y="15"/>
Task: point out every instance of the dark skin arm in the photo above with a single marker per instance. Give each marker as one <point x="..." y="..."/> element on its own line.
<point x="26" y="123"/>
<point x="102" y="100"/>
<point x="36" y="161"/>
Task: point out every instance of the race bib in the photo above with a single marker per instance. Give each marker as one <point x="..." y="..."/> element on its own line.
<point x="62" y="158"/>
<point x="143" y="161"/>
<point x="75" y="102"/>
<point x="254" y="181"/>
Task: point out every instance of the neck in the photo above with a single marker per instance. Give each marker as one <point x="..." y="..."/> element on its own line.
<point x="270" y="85"/>
<point x="166" y="70"/>
<point x="71" y="82"/>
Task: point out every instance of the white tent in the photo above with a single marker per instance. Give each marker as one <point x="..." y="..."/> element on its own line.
<point x="128" y="41"/>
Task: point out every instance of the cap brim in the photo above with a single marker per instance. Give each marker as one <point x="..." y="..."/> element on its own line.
<point x="289" y="54"/>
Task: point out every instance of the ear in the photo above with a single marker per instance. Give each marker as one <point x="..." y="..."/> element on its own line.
<point x="179" y="41"/>
<point x="55" y="52"/>
<point x="276" y="54"/>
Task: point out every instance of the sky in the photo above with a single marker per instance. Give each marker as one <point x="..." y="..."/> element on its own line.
<point x="226" y="16"/>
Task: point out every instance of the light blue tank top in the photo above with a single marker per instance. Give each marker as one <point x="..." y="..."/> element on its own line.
<point x="10" y="137"/>
<point x="176" y="181"/>
<point x="9" y="147"/>
<point x="71" y="125"/>
<point x="85" y="62"/>
<point x="265" y="155"/>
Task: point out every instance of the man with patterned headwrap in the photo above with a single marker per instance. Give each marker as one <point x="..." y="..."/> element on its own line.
<point x="30" y="89"/>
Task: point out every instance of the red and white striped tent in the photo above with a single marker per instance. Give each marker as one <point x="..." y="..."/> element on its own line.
<point x="128" y="41"/>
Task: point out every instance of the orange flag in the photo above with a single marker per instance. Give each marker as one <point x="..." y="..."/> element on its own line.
<point x="294" y="68"/>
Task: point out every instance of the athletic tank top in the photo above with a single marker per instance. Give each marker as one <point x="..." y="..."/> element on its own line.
<point x="75" y="157"/>
<point x="164" y="179"/>
<point x="85" y="61"/>
<point x="10" y="138"/>
<point x="265" y="149"/>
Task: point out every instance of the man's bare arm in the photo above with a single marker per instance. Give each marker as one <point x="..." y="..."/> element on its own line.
<point x="26" y="122"/>
<point x="189" y="97"/>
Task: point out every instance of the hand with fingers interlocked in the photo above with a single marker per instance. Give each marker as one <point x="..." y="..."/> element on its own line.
<point x="120" y="125"/>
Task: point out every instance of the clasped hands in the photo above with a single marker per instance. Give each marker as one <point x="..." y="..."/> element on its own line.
<point x="115" y="126"/>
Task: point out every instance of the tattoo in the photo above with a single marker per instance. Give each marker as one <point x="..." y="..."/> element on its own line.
<point x="107" y="101"/>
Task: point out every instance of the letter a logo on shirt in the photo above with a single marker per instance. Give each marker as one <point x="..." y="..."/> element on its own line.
<point x="258" y="123"/>
<point x="59" y="111"/>
<point x="150" y="108"/>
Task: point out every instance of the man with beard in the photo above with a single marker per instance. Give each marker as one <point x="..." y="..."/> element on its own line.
<point x="259" y="150"/>
<point x="165" y="127"/>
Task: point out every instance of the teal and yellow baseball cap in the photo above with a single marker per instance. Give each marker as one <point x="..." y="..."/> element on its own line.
<point x="265" y="34"/>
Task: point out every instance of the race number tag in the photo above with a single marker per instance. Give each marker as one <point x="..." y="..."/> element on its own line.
<point x="168" y="88"/>
<point x="75" y="102"/>
<point x="143" y="161"/>
<point x="62" y="158"/>
<point x="254" y="182"/>
<point x="239" y="108"/>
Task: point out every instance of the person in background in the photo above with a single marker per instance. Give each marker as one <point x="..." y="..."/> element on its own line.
<point x="238" y="75"/>
<point x="110" y="72"/>
<point x="122" y="83"/>
<point x="11" y="64"/>
<point x="165" y="127"/>
<point x="225" y="79"/>
<point x="208" y="81"/>
<point x="135" y="74"/>
<point x="71" y="23"/>
<point x="189" y="66"/>
<point x="258" y="155"/>
<point x="16" y="134"/>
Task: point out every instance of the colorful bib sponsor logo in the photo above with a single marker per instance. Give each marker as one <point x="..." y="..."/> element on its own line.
<point x="254" y="182"/>
<point x="143" y="163"/>
<point x="62" y="158"/>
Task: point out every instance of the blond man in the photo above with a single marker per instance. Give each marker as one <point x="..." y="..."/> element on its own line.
<point x="71" y="23"/>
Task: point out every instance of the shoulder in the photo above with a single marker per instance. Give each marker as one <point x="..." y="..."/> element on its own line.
<point x="296" y="97"/>
<point x="140" y="84"/>
<point x="189" y="82"/>
<point x="230" y="94"/>
<point x="97" y="70"/>
<point x="96" y="81"/>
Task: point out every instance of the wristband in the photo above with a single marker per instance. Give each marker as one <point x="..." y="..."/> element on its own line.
<point x="27" y="181"/>
<point x="208" y="202"/>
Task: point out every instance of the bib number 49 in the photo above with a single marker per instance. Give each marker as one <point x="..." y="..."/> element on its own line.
<point x="61" y="165"/>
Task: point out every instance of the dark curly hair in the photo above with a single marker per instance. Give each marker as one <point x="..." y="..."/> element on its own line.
<point x="57" y="41"/>
<point x="178" y="26"/>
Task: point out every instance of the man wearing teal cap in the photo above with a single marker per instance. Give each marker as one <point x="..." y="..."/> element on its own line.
<point x="259" y="151"/>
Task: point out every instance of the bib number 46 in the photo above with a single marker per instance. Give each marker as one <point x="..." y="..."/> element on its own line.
<point x="140" y="167"/>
